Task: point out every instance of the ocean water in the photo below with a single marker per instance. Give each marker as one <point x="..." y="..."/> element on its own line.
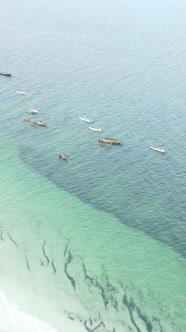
<point x="97" y="242"/>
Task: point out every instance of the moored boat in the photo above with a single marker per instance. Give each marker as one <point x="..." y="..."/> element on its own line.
<point x="109" y="141"/>
<point x="31" y="111"/>
<point x="84" y="118"/>
<point x="39" y="123"/>
<point x="5" y="74"/>
<point x="95" y="129"/>
<point x="26" y="119"/>
<point x="156" y="148"/>
<point x="21" y="92"/>
<point x="63" y="156"/>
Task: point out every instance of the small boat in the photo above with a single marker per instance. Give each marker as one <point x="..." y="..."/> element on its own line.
<point x="5" y="74"/>
<point x="84" y="118"/>
<point x="26" y="119"/>
<point x="155" y="148"/>
<point x="31" y="111"/>
<point x="109" y="141"/>
<point x="21" y="92"/>
<point x="63" y="156"/>
<point x="95" y="129"/>
<point x="39" y="123"/>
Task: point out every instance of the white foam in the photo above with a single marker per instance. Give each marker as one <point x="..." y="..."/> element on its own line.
<point x="12" y="319"/>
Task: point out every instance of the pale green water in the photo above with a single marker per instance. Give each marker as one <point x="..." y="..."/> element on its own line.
<point x="34" y="211"/>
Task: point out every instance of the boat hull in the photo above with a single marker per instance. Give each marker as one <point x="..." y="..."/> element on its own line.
<point x="157" y="149"/>
<point x="95" y="129"/>
<point x="21" y="93"/>
<point x="5" y="74"/>
<point x="84" y="118"/>
<point x="30" y="111"/>
<point x="39" y="123"/>
<point x="109" y="141"/>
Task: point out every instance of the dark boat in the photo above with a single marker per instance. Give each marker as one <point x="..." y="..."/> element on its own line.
<point x="63" y="156"/>
<point x="39" y="123"/>
<point x="109" y="141"/>
<point x="5" y="74"/>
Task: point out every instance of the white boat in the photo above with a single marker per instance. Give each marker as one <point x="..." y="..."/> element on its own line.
<point x="21" y="92"/>
<point x="31" y="111"/>
<point x="95" y="129"/>
<point x="5" y="74"/>
<point x="84" y="118"/>
<point x="155" y="148"/>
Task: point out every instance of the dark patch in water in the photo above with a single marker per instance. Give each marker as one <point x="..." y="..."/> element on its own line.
<point x="27" y="263"/>
<point x="68" y="261"/>
<point x="52" y="264"/>
<point x="157" y="320"/>
<point x="44" y="253"/>
<point x="95" y="328"/>
<point x="103" y="293"/>
<point x="65" y="251"/>
<point x="85" y="191"/>
<point x="145" y="319"/>
<point x="41" y="263"/>
<point x="13" y="240"/>
<point x="109" y="286"/>
<point x="130" y="307"/>
<point x="106" y="293"/>
<point x="114" y="302"/>
<point x="74" y="316"/>
<point x="2" y="239"/>
<point x="87" y="277"/>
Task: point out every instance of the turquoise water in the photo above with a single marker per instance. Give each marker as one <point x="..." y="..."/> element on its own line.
<point x="99" y="240"/>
